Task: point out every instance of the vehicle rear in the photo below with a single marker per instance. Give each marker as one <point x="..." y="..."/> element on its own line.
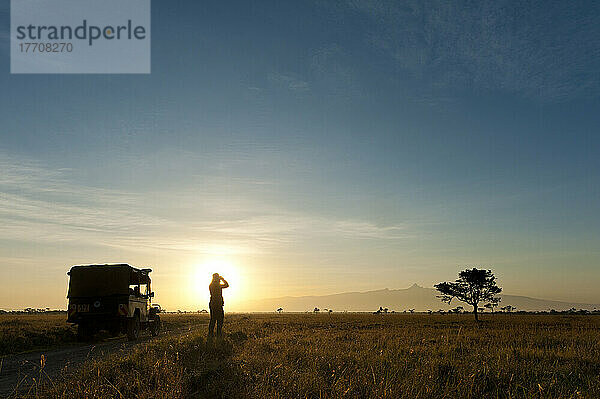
<point x="99" y="296"/>
<point x="110" y="297"/>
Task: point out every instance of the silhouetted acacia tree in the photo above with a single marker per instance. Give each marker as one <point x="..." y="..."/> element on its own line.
<point x="472" y="286"/>
<point x="279" y="310"/>
<point x="491" y="306"/>
<point x="508" y="308"/>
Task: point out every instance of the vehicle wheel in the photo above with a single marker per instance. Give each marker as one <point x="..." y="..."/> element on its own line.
<point x="114" y="329"/>
<point x="84" y="332"/>
<point x="133" y="327"/>
<point x="155" y="326"/>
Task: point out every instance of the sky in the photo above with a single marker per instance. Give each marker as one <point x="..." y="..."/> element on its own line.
<point x="315" y="147"/>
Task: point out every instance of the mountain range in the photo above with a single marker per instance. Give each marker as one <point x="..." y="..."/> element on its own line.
<point x="415" y="297"/>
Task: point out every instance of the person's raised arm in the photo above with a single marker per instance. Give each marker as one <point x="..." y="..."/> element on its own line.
<point x="225" y="283"/>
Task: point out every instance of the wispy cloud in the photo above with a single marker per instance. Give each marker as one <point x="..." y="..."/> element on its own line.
<point x="42" y="205"/>
<point x="289" y="81"/>
<point x="332" y="69"/>
<point x="547" y="52"/>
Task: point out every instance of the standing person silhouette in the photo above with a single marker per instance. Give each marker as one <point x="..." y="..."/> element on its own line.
<point x="216" y="304"/>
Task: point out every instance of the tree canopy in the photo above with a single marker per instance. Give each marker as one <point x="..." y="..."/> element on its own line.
<point x="472" y="287"/>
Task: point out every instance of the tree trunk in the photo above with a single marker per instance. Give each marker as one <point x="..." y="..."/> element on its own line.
<point x="475" y="312"/>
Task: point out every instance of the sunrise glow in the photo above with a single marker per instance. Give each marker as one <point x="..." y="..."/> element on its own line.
<point x="202" y="275"/>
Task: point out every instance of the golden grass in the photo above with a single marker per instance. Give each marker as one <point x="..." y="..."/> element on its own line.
<point x="356" y="356"/>
<point x="29" y="332"/>
<point x="25" y="332"/>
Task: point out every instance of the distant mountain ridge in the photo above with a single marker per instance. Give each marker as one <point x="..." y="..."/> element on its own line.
<point x="415" y="297"/>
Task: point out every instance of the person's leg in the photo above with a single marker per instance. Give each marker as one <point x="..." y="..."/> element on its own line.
<point x="220" y="317"/>
<point x="211" y="324"/>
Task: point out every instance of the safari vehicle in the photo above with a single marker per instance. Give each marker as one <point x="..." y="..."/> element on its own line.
<point x="112" y="297"/>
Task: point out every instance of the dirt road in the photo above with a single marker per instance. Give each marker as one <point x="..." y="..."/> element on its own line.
<point x="22" y="372"/>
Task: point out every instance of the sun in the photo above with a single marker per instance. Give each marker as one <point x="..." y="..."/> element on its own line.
<point x="203" y="272"/>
